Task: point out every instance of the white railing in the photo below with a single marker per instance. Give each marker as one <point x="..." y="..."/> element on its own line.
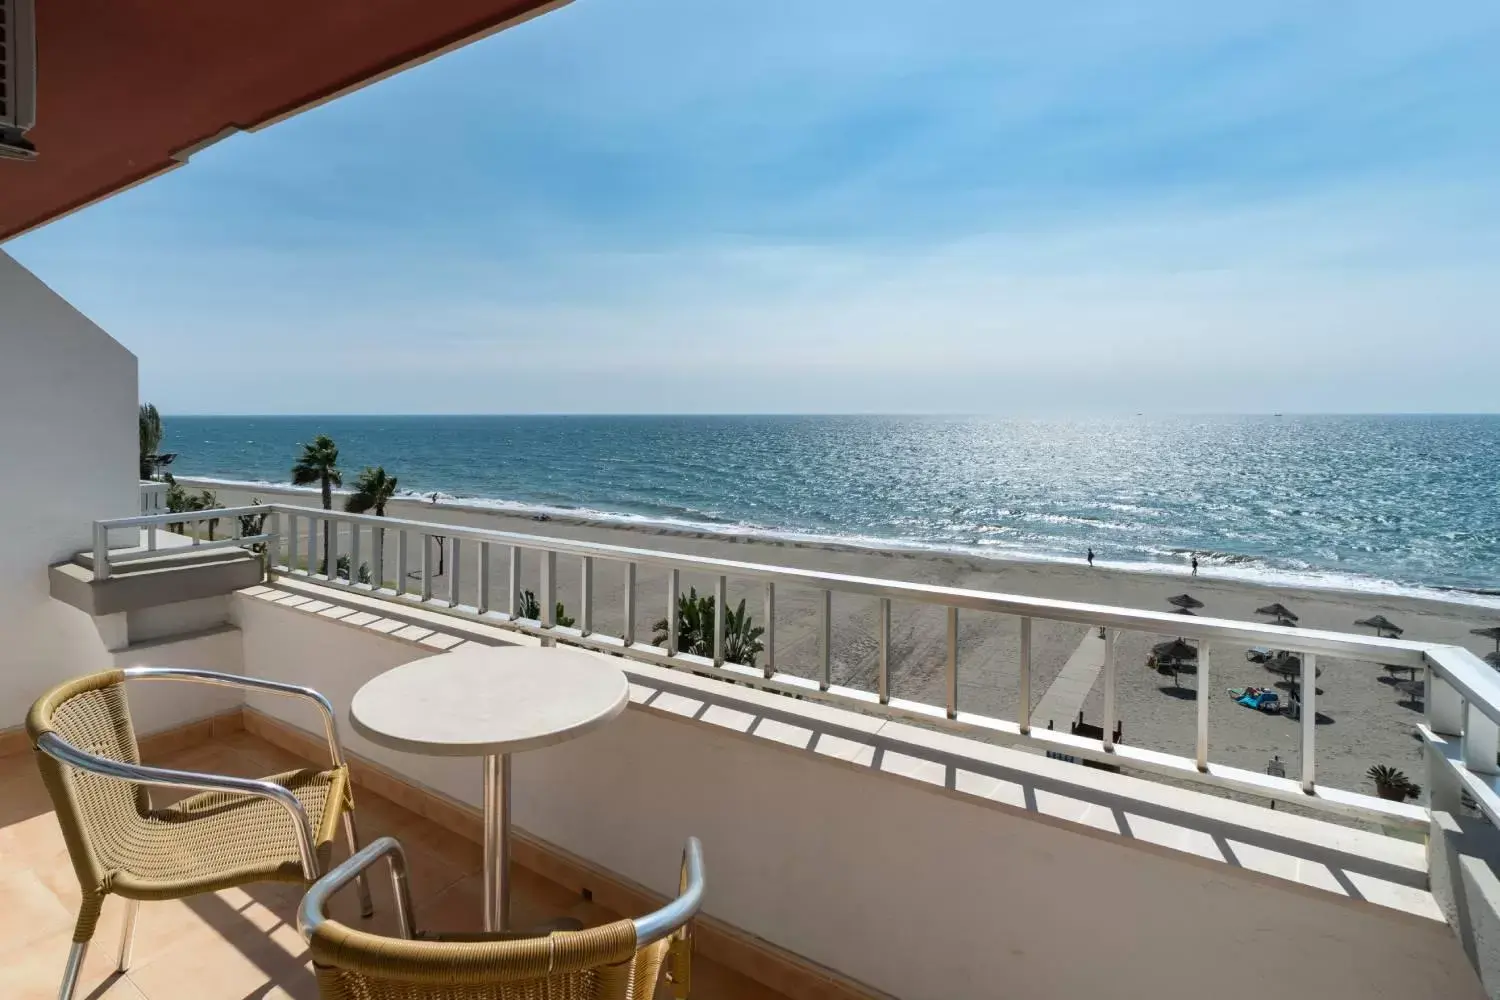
<point x="1462" y="695"/>
<point x="153" y="497"/>
<point x="200" y="531"/>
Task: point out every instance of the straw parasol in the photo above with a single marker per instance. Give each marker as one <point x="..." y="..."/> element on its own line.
<point x="1280" y="612"/>
<point x="1174" y="649"/>
<point x="1493" y="632"/>
<point x="1415" y="691"/>
<point x="1382" y="625"/>
<point x="1493" y="659"/>
<point x="1174" y="655"/>
<point x="1184" y="603"/>
<point x="1288" y="665"/>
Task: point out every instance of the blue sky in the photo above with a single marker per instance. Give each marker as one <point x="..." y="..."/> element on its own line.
<point x="774" y="205"/>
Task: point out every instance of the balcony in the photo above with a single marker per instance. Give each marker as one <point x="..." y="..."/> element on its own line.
<point x="857" y="843"/>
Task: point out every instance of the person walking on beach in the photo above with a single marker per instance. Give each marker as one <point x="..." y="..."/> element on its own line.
<point x="1091" y="557"/>
<point x="1195" y="565"/>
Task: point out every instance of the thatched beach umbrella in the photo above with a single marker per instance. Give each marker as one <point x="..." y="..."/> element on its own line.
<point x="1175" y="649"/>
<point x="1175" y="655"/>
<point x="1493" y="659"/>
<point x="1493" y="632"/>
<point x="1288" y="665"/>
<point x="1280" y="612"/>
<point x="1184" y="603"/>
<point x="1382" y="625"/>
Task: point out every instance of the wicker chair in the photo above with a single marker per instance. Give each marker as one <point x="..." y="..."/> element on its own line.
<point x="239" y="830"/>
<point x="618" y="961"/>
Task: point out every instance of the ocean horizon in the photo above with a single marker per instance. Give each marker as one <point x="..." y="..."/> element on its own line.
<point x="1406" y="504"/>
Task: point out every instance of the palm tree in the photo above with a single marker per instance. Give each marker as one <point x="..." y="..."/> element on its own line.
<point x="527" y="606"/>
<point x="695" y="630"/>
<point x="372" y="491"/>
<point x="150" y="439"/>
<point x="319" y="463"/>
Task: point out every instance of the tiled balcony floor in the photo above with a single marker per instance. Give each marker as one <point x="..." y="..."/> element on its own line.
<point x="241" y="944"/>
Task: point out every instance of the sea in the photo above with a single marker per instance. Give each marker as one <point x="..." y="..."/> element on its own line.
<point x="1395" y="504"/>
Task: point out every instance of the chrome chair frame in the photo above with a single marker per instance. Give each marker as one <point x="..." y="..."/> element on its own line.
<point x="672" y="920"/>
<point x="61" y="750"/>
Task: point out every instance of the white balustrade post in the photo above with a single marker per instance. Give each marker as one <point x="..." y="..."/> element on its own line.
<point x="426" y="592"/>
<point x="1309" y="696"/>
<point x="403" y="560"/>
<point x="377" y="557"/>
<point x="586" y="596"/>
<point x="455" y="569"/>
<point x="952" y="672"/>
<point x="769" y="645"/>
<point x="482" y="602"/>
<point x="549" y="594"/>
<point x="291" y="542"/>
<point x="515" y="581"/>
<point x="354" y="552"/>
<point x="1203" y="688"/>
<point x="312" y="545"/>
<point x="101" y="551"/>
<point x="1108" y="722"/>
<point x="627" y="634"/>
<point x="825" y="645"/>
<point x="883" y="675"/>
<point x="331" y="542"/>
<point x="1025" y="693"/>
<point x="674" y="588"/>
<point x="721" y="598"/>
<point x="1481" y="742"/>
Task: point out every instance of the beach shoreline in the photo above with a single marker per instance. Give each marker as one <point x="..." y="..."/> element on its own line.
<point x="1481" y="602"/>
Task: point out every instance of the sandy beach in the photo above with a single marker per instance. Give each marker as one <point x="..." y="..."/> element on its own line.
<point x="1364" y="718"/>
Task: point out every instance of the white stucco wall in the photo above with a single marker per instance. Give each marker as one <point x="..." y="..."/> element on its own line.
<point x="68" y="427"/>
<point x="917" y="893"/>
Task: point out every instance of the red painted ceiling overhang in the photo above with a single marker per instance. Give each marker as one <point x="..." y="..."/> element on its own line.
<point x="127" y="89"/>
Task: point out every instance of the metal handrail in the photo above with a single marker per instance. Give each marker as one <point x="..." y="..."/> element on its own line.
<point x="1456" y="676"/>
<point x="61" y="750"/>
<point x="214" y="677"/>
<point x="313" y="910"/>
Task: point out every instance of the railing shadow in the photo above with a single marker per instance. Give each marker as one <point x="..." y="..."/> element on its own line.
<point x="1099" y="811"/>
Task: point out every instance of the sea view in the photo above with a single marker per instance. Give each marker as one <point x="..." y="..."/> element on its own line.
<point x="1394" y="504"/>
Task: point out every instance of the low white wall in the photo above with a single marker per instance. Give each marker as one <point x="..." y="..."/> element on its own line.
<point x="897" y="885"/>
<point x="158" y="705"/>
<point x="68" y="424"/>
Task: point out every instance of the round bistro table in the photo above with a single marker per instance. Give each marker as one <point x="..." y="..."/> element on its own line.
<point x="490" y="702"/>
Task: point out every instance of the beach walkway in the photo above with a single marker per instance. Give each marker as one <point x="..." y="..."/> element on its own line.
<point x="1064" y="699"/>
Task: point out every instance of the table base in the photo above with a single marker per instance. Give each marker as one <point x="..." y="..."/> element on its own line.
<point x="497" y="842"/>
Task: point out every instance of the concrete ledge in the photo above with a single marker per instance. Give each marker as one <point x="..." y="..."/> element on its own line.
<point x="154" y="583"/>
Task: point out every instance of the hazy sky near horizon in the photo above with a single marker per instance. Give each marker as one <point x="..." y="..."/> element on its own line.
<point x="843" y="206"/>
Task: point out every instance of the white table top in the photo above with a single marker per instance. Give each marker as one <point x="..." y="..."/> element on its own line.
<point x="481" y="700"/>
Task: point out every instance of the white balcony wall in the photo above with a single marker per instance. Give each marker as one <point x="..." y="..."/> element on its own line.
<point x="68" y="428"/>
<point x="906" y="888"/>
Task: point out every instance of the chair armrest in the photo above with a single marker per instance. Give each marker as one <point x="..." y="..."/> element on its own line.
<point x="674" y="917"/>
<point x="675" y="921"/>
<point x="312" y="913"/>
<point x="61" y="750"/>
<point x="330" y="729"/>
